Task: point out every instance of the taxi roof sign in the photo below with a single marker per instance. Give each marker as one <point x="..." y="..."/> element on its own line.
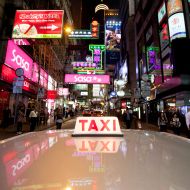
<point x="97" y="126"/>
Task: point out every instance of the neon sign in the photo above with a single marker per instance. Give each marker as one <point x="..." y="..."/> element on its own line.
<point x="97" y="54"/>
<point x="93" y="33"/>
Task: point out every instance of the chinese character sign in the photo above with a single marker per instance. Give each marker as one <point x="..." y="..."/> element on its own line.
<point x="38" y="24"/>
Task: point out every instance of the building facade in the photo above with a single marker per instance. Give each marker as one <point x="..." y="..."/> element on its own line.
<point x="161" y="31"/>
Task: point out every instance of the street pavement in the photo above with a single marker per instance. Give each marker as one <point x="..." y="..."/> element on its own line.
<point x="69" y="123"/>
<point x="11" y="130"/>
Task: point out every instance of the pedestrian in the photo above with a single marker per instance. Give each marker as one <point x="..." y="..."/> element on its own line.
<point x="6" y="117"/>
<point x="127" y="118"/>
<point x="175" y="124"/>
<point x="187" y="119"/>
<point x="20" y="120"/>
<point x="33" y="119"/>
<point x="46" y="115"/>
<point x="59" y="119"/>
<point x="162" y="122"/>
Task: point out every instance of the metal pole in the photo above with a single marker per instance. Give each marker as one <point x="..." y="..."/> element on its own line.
<point x="16" y="106"/>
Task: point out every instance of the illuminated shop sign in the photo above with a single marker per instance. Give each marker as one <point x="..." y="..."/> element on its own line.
<point x="87" y="79"/>
<point x="63" y="91"/>
<point x="98" y="90"/>
<point x="21" y="42"/>
<point x="164" y="37"/>
<point x="81" y="64"/>
<point x="84" y="93"/>
<point x="174" y="6"/>
<point x="152" y="60"/>
<point x="35" y="72"/>
<point x="177" y="26"/>
<point x="52" y="94"/>
<point x="17" y="58"/>
<point x="8" y="75"/>
<point x="90" y="72"/>
<point x="52" y="84"/>
<point x="97" y="51"/>
<point x="38" y="24"/>
<point x="93" y="33"/>
<point x="161" y="12"/>
<point x="81" y="87"/>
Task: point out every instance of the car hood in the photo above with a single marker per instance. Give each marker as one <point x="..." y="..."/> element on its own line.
<point x="141" y="160"/>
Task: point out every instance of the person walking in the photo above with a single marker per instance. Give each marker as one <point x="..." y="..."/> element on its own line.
<point x="127" y="118"/>
<point x="187" y="119"/>
<point x="20" y="120"/>
<point x="175" y="124"/>
<point x="162" y="122"/>
<point x="6" y="117"/>
<point x="59" y="119"/>
<point x="33" y="119"/>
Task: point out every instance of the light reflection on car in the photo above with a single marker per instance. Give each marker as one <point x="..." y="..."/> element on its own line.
<point x="54" y="160"/>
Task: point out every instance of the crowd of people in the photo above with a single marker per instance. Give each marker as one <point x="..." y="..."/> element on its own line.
<point x="35" y="118"/>
<point x="166" y="121"/>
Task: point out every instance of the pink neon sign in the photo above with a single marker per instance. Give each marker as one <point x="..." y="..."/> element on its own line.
<point x="35" y="72"/>
<point x="87" y="79"/>
<point x="17" y="58"/>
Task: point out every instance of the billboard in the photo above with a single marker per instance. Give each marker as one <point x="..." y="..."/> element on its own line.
<point x="17" y="58"/>
<point x="174" y="6"/>
<point x="87" y="79"/>
<point x="112" y="36"/>
<point x="38" y="24"/>
<point x="177" y="26"/>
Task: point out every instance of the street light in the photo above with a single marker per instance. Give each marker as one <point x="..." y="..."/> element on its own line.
<point x="68" y="29"/>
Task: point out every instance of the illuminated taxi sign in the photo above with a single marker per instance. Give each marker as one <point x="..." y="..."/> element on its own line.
<point x="97" y="126"/>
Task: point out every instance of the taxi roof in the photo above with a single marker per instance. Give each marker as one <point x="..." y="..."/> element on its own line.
<point x="140" y="160"/>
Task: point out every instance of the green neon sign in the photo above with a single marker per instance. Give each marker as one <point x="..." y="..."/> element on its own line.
<point x="97" y="51"/>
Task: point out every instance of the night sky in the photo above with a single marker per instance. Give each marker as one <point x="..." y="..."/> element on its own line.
<point x="88" y="9"/>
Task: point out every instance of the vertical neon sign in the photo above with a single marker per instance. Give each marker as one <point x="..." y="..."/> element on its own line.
<point x="97" y="54"/>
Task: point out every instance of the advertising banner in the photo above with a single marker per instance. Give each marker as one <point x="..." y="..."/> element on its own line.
<point x="38" y="24"/>
<point x="112" y="39"/>
<point x="87" y="79"/>
<point x="174" y="6"/>
<point x="17" y="58"/>
<point x="177" y="26"/>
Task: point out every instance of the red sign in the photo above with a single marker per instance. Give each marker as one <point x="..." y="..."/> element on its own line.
<point x="38" y="24"/>
<point x="51" y="94"/>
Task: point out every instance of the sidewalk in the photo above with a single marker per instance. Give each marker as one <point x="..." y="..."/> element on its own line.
<point x="11" y="130"/>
